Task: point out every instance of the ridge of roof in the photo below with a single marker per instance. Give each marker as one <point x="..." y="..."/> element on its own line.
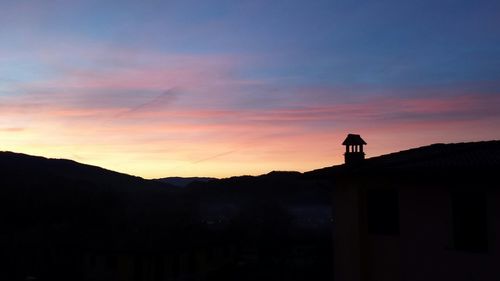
<point x="473" y="155"/>
<point x="484" y="153"/>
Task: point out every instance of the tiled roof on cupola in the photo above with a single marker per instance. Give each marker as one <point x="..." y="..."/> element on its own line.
<point x="353" y="139"/>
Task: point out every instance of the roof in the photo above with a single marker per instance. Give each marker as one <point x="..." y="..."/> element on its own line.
<point x="353" y="139"/>
<point x="467" y="155"/>
<point x="456" y="157"/>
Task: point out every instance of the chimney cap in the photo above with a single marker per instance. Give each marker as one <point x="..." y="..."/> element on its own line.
<point x="353" y="139"/>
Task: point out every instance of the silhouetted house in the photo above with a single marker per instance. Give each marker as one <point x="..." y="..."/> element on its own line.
<point x="429" y="213"/>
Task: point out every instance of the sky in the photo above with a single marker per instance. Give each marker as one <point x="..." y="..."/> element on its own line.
<point x="224" y="88"/>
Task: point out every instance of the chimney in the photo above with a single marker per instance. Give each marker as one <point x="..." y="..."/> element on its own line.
<point x="354" y="149"/>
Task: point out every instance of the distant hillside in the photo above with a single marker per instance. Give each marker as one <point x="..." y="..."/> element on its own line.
<point x="182" y="182"/>
<point x="40" y="191"/>
<point x="279" y="188"/>
<point x="24" y="168"/>
<point x="36" y="190"/>
<point x="50" y="206"/>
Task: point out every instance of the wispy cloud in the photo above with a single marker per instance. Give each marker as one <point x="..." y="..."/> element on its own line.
<point x="13" y="129"/>
<point x="159" y="102"/>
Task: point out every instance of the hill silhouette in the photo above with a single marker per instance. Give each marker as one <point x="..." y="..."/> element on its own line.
<point x="33" y="168"/>
<point x="56" y="212"/>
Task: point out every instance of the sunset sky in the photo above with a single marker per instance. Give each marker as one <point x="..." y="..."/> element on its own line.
<point x="221" y="88"/>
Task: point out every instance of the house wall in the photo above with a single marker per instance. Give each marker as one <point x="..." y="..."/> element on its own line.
<point x="382" y="258"/>
<point x="347" y="255"/>
<point x="423" y="250"/>
<point x="425" y="224"/>
<point x="380" y="254"/>
<point x="427" y="251"/>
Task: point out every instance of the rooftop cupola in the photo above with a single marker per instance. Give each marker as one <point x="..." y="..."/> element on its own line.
<point x="353" y="149"/>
